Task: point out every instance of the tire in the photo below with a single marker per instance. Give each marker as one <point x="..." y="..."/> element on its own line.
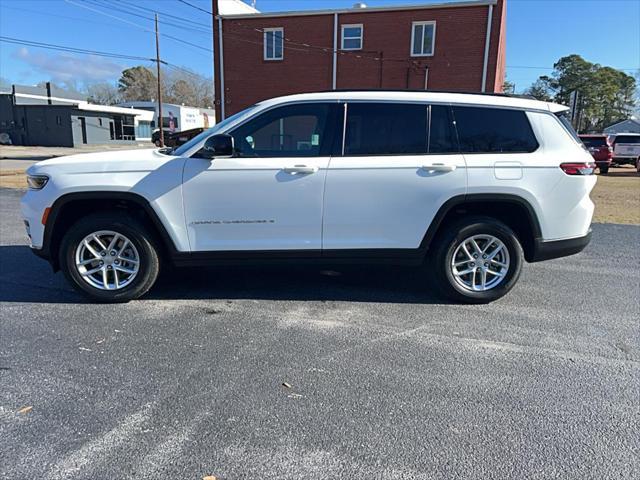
<point x="448" y="244"/>
<point x="604" y="170"/>
<point x="134" y="280"/>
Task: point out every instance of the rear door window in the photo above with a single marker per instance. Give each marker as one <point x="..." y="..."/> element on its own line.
<point x="493" y="130"/>
<point x="441" y="135"/>
<point x="399" y="129"/>
<point x="386" y="129"/>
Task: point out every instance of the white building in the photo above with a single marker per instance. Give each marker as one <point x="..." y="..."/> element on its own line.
<point x="235" y="7"/>
<point x="176" y="118"/>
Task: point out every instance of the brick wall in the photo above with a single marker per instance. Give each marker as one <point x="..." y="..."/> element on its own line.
<point x="456" y="64"/>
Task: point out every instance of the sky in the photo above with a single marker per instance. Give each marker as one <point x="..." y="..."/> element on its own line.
<point x="538" y="33"/>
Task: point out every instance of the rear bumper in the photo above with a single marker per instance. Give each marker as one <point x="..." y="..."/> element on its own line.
<point x="559" y="248"/>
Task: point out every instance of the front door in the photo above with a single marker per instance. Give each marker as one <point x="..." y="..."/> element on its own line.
<point x="269" y="196"/>
<point x="400" y="164"/>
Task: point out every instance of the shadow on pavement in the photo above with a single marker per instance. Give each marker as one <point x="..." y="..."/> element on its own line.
<point x="26" y="278"/>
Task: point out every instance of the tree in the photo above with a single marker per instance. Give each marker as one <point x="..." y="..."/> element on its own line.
<point x="508" y="87"/>
<point x="137" y="83"/>
<point x="541" y="90"/>
<point x="103" y="94"/>
<point x="178" y="86"/>
<point x="606" y="94"/>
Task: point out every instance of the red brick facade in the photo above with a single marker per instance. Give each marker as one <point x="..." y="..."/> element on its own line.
<point x="385" y="60"/>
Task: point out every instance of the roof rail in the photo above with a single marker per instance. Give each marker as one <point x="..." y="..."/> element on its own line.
<point x="491" y="94"/>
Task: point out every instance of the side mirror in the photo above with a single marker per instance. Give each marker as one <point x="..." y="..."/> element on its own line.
<point x="218" y="146"/>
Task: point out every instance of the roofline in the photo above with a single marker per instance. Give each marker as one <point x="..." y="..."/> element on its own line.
<point x="304" y="13"/>
<point x="80" y="104"/>
<point x="412" y="90"/>
<point x="622" y="121"/>
<point x="498" y="100"/>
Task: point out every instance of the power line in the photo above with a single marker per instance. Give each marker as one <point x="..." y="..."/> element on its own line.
<point x="126" y="12"/>
<point x="83" y="51"/>
<point x="165" y="14"/>
<point x="196" y="7"/>
<point x="63" y="48"/>
<point x="137" y="25"/>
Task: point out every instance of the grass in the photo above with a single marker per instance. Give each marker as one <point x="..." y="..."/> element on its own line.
<point x="13" y="179"/>
<point x="617" y="195"/>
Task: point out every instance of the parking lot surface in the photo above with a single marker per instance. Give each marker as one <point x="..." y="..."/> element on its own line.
<point x="298" y="373"/>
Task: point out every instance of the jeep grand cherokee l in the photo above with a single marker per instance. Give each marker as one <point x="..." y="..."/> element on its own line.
<point x="471" y="186"/>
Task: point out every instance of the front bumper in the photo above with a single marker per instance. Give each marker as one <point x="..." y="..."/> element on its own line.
<point x="559" y="248"/>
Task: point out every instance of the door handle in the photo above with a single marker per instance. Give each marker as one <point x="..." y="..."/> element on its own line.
<point x="300" y="169"/>
<point x="439" y="167"/>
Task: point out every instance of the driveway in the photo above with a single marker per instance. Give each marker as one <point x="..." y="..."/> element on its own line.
<point x="297" y="373"/>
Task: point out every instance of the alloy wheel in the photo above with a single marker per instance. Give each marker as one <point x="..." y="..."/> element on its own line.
<point x="480" y="263"/>
<point x="107" y="260"/>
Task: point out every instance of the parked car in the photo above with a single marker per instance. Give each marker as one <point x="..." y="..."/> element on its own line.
<point x="471" y="185"/>
<point x="626" y="148"/>
<point x="175" y="139"/>
<point x="600" y="150"/>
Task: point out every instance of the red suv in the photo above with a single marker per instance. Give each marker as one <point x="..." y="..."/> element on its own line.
<point x="600" y="149"/>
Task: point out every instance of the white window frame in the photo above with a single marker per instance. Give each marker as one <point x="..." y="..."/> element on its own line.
<point x="361" y="37"/>
<point x="265" y="36"/>
<point x="413" y="38"/>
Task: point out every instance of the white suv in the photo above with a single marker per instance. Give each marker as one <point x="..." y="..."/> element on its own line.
<point x="472" y="185"/>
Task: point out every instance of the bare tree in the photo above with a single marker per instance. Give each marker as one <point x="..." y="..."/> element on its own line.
<point x="103" y="94"/>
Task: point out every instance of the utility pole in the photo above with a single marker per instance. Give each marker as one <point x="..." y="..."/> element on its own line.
<point x="216" y="55"/>
<point x="213" y="53"/>
<point x="159" y="85"/>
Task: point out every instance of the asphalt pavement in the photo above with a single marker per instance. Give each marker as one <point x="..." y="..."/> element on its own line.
<point x="298" y="373"/>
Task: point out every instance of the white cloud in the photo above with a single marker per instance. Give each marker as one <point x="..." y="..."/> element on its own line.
<point x="70" y="68"/>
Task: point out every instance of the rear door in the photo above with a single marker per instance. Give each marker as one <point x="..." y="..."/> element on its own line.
<point x="399" y="165"/>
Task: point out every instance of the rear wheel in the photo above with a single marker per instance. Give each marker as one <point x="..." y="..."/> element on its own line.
<point x="604" y="169"/>
<point x="109" y="257"/>
<point x="477" y="260"/>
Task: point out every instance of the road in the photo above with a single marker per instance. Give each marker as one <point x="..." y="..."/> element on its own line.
<point x="384" y="381"/>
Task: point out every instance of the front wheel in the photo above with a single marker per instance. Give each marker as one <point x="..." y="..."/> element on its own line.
<point x="477" y="260"/>
<point x="109" y="257"/>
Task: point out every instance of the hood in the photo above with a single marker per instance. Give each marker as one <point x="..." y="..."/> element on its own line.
<point x="109" y="161"/>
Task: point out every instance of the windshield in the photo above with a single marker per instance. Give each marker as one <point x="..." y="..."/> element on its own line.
<point x="218" y="127"/>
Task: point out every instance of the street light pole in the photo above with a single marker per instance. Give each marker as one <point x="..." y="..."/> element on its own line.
<point x="159" y="85"/>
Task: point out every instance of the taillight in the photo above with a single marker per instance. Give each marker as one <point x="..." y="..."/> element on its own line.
<point x="578" y="168"/>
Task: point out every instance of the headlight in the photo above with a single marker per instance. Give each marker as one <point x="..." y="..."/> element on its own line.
<point x="37" y="182"/>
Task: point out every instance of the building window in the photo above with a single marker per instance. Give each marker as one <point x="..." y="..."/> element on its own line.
<point x="273" y="43"/>
<point x="352" y="37"/>
<point x="423" y="39"/>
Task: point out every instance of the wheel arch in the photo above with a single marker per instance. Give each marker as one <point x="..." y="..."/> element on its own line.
<point x="513" y="210"/>
<point x="69" y="207"/>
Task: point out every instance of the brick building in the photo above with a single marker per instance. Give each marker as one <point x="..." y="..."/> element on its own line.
<point x="457" y="46"/>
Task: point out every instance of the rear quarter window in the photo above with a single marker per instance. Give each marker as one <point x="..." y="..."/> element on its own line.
<point x="493" y="130"/>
